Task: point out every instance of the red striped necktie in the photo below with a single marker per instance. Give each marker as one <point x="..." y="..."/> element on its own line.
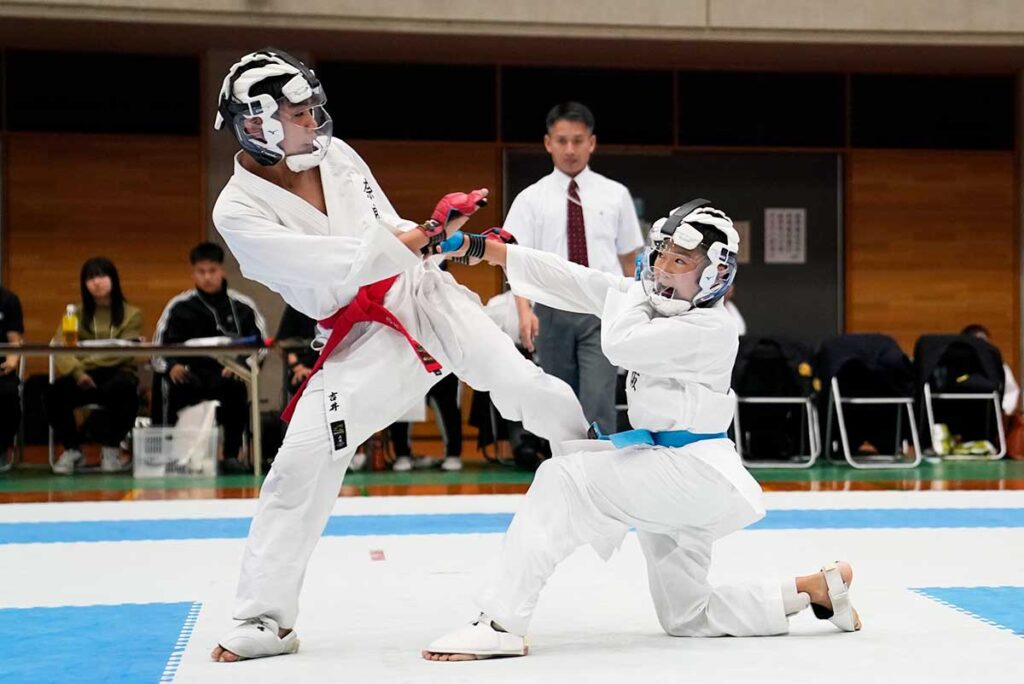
<point x="576" y="231"/>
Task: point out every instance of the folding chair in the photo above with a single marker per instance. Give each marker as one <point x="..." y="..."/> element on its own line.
<point x="19" y="440"/>
<point x="776" y="420"/>
<point x="961" y="369"/>
<point x="866" y="374"/>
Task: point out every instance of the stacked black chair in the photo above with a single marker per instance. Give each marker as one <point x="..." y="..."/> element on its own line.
<point x="966" y="370"/>
<point x="866" y="376"/>
<point x="776" y="420"/>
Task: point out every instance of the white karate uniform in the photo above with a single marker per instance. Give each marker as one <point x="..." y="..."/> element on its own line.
<point x="317" y="263"/>
<point x="680" y="500"/>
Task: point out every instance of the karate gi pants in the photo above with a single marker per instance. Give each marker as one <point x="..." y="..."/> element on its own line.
<point x="301" y="488"/>
<point x="677" y="503"/>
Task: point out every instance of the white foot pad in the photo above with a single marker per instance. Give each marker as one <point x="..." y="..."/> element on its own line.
<point x="480" y="639"/>
<point x="843" y="614"/>
<point x="257" y="638"/>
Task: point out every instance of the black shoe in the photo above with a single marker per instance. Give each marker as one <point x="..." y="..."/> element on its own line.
<point x="232" y="466"/>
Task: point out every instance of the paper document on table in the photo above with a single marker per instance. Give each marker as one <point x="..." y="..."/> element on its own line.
<point x="115" y="342"/>
<point x="221" y="341"/>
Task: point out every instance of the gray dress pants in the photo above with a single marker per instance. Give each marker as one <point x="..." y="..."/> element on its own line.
<point x="569" y="348"/>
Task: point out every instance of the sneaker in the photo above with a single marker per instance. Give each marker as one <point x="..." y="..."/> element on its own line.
<point x="67" y="461"/>
<point x="111" y="461"/>
<point x="257" y="638"/>
<point x="451" y="464"/>
<point x="358" y="461"/>
<point x="232" y="466"/>
<point x="424" y="462"/>
<point x="402" y="464"/>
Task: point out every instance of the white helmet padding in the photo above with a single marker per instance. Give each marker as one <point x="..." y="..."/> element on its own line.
<point x="695" y="226"/>
<point x="237" y="104"/>
<point x="682" y="225"/>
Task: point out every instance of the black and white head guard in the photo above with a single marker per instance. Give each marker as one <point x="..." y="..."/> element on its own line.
<point x="288" y="99"/>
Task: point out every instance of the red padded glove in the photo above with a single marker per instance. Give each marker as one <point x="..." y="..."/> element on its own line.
<point x="457" y="203"/>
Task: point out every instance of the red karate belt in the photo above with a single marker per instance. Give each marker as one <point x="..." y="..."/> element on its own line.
<point x="368" y="305"/>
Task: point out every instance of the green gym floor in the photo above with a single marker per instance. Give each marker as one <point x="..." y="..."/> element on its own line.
<point x="36" y="483"/>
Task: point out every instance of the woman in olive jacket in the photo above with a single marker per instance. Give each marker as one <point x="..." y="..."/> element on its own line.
<point x="112" y="382"/>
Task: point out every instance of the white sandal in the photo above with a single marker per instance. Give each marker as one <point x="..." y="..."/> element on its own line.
<point x="482" y="639"/>
<point x="842" y="614"/>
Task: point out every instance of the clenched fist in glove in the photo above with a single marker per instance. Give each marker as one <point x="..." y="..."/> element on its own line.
<point x="450" y="214"/>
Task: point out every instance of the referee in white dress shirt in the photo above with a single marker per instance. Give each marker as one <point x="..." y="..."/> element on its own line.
<point x="586" y="218"/>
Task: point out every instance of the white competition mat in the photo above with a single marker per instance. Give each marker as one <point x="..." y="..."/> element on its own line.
<point x="141" y="591"/>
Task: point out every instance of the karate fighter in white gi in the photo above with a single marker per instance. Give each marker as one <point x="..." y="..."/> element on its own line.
<point x="304" y="216"/>
<point x="677" y="478"/>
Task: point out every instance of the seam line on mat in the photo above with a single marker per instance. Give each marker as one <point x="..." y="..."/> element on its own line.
<point x="174" y="660"/>
<point x="966" y="612"/>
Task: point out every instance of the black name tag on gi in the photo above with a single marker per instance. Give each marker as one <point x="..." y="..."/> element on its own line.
<point x="339" y="435"/>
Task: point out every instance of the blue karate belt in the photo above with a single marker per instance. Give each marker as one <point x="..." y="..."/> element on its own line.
<point x="669" y="438"/>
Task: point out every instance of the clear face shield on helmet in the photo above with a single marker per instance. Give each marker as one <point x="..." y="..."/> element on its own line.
<point x="295" y="127"/>
<point x="300" y="132"/>
<point x="670" y="275"/>
<point x="306" y="131"/>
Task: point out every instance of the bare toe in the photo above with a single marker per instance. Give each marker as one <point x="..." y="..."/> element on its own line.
<point x="222" y="655"/>
<point x="448" y="657"/>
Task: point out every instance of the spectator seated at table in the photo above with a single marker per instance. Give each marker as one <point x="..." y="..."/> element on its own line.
<point x="210" y="309"/>
<point x="109" y="382"/>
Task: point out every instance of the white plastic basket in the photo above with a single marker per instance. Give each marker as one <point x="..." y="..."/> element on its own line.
<point x="163" y="450"/>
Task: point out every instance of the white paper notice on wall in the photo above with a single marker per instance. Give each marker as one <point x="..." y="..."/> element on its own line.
<point x="785" y="236"/>
<point x="743" y="228"/>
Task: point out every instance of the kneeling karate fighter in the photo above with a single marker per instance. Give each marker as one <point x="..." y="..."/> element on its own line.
<point x="677" y="479"/>
<point x="304" y="216"/>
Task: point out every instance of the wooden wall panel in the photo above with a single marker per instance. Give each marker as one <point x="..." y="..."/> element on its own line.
<point x="135" y="199"/>
<point x="931" y="244"/>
